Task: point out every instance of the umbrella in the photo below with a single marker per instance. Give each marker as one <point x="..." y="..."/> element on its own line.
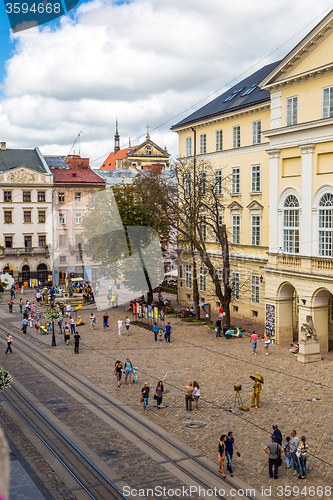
<point x="256" y="376"/>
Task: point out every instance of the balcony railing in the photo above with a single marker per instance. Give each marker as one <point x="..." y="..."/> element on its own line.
<point x="301" y="263"/>
<point x="25" y="250"/>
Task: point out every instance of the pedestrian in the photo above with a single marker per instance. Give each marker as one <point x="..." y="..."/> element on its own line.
<point x="145" y="395"/>
<point x="60" y="320"/>
<point x="12" y="293"/>
<point x="105" y="321"/>
<point x="218" y="325"/>
<point x="127" y="324"/>
<point x="109" y="299"/>
<point x="72" y="325"/>
<point x="38" y="296"/>
<point x="167" y="332"/>
<point x="302" y="452"/>
<point x="92" y="320"/>
<point x="22" y="289"/>
<point x="37" y="326"/>
<point x="68" y="309"/>
<point x="266" y="346"/>
<point x="196" y="393"/>
<point x="277" y="434"/>
<point x="118" y="370"/>
<point x="9" y="340"/>
<point x="24" y="325"/>
<point x="294" y="444"/>
<point x="128" y="370"/>
<point x="287" y="453"/>
<point x="155" y="330"/>
<point x="76" y="339"/>
<point x="189" y="396"/>
<point x="67" y="335"/>
<point x="221" y="453"/>
<point x="116" y="297"/>
<point x="159" y="393"/>
<point x="113" y="300"/>
<point x="254" y="339"/>
<point x="30" y="319"/>
<point x="10" y="305"/>
<point x="273" y="449"/>
<point x="120" y="326"/>
<point x="229" y="450"/>
<point x="27" y="305"/>
<point x="21" y="305"/>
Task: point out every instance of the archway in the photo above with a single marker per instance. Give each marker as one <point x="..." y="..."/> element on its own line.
<point x="287" y="314"/>
<point x="26" y="274"/>
<point x="42" y="273"/>
<point x="322" y="318"/>
<point x="7" y="270"/>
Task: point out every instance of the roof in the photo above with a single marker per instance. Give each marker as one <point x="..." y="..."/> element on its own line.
<point x="28" y="158"/>
<point x="74" y="176"/>
<point x="135" y="150"/>
<point x="110" y="162"/>
<point x="55" y="161"/>
<point x="243" y="94"/>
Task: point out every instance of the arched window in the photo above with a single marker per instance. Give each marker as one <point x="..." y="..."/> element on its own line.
<point x="291" y="224"/>
<point x="326" y="225"/>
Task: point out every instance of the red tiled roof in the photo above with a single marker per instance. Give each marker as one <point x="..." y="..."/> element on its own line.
<point x="76" y="176"/>
<point x="110" y="162"/>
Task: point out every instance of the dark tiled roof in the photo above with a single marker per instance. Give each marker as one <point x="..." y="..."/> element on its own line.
<point x="242" y="98"/>
<point x="13" y="158"/>
<point x="55" y="161"/>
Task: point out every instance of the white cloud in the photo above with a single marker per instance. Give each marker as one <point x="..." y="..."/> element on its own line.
<point x="143" y="62"/>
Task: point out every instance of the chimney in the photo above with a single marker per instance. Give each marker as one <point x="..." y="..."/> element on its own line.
<point x="3" y="146"/>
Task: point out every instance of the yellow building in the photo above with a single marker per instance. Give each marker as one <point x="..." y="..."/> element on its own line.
<point x="272" y="136"/>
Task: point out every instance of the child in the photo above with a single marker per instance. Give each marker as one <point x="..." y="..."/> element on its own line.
<point x="287" y="453"/>
<point x="161" y="333"/>
<point x="267" y="342"/>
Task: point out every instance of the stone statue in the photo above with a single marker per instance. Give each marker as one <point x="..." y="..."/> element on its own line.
<point x="308" y="330"/>
<point x="68" y="283"/>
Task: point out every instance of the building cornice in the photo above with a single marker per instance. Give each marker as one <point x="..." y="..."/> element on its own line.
<point x="300" y="78"/>
<point x="292" y="130"/>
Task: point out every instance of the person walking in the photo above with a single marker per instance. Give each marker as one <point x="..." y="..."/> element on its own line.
<point x="116" y="297"/>
<point x="254" y="340"/>
<point x="294" y="444"/>
<point x="159" y="393"/>
<point x="21" y="305"/>
<point x="277" y="434"/>
<point x="120" y="326"/>
<point x="9" y="340"/>
<point x="218" y="325"/>
<point x="92" y="320"/>
<point x="24" y="325"/>
<point x="221" y="453"/>
<point x="287" y="453"/>
<point x="127" y="324"/>
<point x="155" y="330"/>
<point x="273" y="449"/>
<point x="145" y="394"/>
<point x="118" y="370"/>
<point x="302" y="451"/>
<point x="128" y="370"/>
<point x="67" y="335"/>
<point x="10" y="305"/>
<point x="167" y="332"/>
<point x="72" y="324"/>
<point x="189" y="396"/>
<point x="266" y="345"/>
<point x="229" y="450"/>
<point x="76" y="343"/>
<point x="105" y="321"/>
<point x="12" y="293"/>
<point x="196" y="393"/>
<point x="22" y="289"/>
<point x="60" y="320"/>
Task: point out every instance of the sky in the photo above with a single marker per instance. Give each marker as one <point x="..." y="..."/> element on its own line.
<point x="144" y="62"/>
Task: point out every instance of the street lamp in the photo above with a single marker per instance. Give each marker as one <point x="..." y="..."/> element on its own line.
<point x="52" y="299"/>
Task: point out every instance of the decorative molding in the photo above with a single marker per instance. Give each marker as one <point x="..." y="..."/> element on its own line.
<point x="255" y="205"/>
<point x="273" y="153"/>
<point x="22" y="175"/>
<point x="307" y="148"/>
<point x="235" y="206"/>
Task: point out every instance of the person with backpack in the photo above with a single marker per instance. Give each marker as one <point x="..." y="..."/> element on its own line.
<point x="128" y="370"/>
<point x="118" y="371"/>
<point x="273" y="449"/>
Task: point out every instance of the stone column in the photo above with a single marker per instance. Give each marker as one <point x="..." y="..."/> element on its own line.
<point x="306" y="212"/>
<point x="274" y="160"/>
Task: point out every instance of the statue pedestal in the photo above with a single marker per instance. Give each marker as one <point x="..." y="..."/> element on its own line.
<point x="309" y="351"/>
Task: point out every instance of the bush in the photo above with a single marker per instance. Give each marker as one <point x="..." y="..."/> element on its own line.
<point x="5" y="379"/>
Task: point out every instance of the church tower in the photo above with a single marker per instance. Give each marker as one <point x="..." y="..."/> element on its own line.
<point x="116" y="139"/>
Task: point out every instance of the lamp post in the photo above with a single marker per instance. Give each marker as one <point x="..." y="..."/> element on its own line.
<point x="52" y="299"/>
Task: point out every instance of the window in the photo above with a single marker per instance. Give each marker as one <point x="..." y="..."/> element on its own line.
<point x="236" y="136"/>
<point x="218" y="181"/>
<point x="202" y="279"/>
<point x="8" y="216"/>
<point x="235" y="220"/>
<point x="292" y="110"/>
<point x="8" y="241"/>
<point x="255" y="289"/>
<point x="203" y="143"/>
<point x="27" y="216"/>
<point x="255" y="230"/>
<point x="41" y="216"/>
<point x="235" y="180"/>
<point x="187" y="185"/>
<point x="27" y="196"/>
<point x="219" y="140"/>
<point x="180" y="270"/>
<point x="188" y="146"/>
<point x="203" y="227"/>
<point x="62" y="240"/>
<point x="256" y="179"/>
<point x="256" y="129"/>
<point x="79" y="258"/>
<point x="78" y="218"/>
<point x="326" y="225"/>
<point x="220" y="276"/>
<point x="41" y="240"/>
<point x="28" y="241"/>
<point x="7" y="196"/>
<point x="61" y="197"/>
<point x="62" y="259"/>
<point x="219" y="224"/>
<point x="62" y="218"/>
<point x="291" y="225"/>
<point x="41" y="195"/>
<point x="188" y="276"/>
<point x="327" y="102"/>
<point x="235" y="285"/>
<point x="77" y="196"/>
<point x="202" y="178"/>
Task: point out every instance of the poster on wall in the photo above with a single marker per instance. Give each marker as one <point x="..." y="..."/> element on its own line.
<point x="33" y="283"/>
<point x="26" y="284"/>
<point x="270" y="319"/>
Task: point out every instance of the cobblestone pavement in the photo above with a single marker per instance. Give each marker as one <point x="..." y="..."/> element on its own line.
<point x="287" y="397"/>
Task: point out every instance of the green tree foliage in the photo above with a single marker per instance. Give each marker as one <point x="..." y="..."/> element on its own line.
<point x="5" y="379"/>
<point x="52" y="314"/>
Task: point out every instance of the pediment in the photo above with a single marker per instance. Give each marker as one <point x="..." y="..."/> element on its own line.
<point x="148" y="148"/>
<point x="235" y="206"/>
<point x="255" y="205"/>
<point x="23" y="175"/>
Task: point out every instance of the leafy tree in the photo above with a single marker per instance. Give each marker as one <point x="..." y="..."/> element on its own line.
<point x="5" y="379"/>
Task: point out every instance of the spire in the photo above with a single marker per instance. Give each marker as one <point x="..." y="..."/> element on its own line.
<point x="116" y="139"/>
<point x="147" y="135"/>
<point x="129" y="145"/>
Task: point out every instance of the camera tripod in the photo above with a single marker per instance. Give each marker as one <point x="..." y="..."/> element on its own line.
<point x="238" y="399"/>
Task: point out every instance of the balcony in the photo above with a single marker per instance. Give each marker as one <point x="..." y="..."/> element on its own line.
<point x="301" y="264"/>
<point x="17" y="252"/>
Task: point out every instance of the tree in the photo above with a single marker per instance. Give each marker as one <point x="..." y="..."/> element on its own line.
<point x="5" y="379"/>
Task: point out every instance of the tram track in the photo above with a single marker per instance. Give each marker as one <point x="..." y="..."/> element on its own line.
<point x="184" y="464"/>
